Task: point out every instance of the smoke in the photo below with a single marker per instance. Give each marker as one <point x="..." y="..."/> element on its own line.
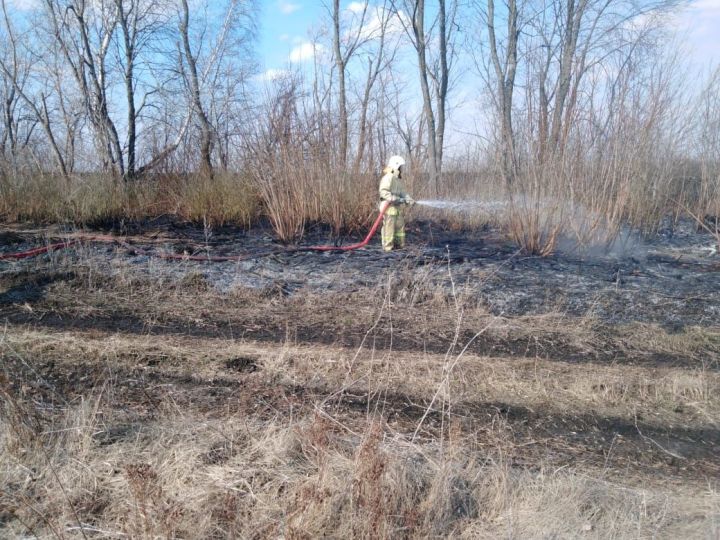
<point x="465" y="206"/>
<point x="582" y="232"/>
<point x="621" y="244"/>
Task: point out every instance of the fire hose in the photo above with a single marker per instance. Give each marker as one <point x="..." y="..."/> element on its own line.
<point x="203" y="258"/>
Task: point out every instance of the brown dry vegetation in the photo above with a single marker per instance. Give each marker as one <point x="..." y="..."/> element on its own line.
<point x="97" y="198"/>
<point x="134" y="406"/>
<point x="293" y="195"/>
<point x="138" y="408"/>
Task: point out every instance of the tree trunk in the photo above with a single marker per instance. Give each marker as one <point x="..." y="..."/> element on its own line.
<point x="572" y="28"/>
<point x="442" y="87"/>
<point x="420" y="46"/>
<point x="342" y="94"/>
<point x="129" y="28"/>
<point x="505" y="75"/>
<point x="194" y="84"/>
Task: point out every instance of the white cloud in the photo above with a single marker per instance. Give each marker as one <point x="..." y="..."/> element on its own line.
<point x="305" y="51"/>
<point x="707" y="5"/>
<point x="697" y="26"/>
<point x="284" y="37"/>
<point x="288" y="8"/>
<point x="273" y="74"/>
<point x="357" y="7"/>
<point x="375" y="18"/>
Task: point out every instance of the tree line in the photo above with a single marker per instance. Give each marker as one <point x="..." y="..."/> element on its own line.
<point x="581" y="97"/>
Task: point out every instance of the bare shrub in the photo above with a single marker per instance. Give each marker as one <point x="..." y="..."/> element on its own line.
<point x="297" y="175"/>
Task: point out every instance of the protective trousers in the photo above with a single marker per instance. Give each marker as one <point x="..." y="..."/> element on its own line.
<point x="393" y="229"/>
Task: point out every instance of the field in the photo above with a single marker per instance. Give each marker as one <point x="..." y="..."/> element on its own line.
<point x="457" y="388"/>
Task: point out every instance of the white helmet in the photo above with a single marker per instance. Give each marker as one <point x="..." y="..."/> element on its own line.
<point x="395" y="162"/>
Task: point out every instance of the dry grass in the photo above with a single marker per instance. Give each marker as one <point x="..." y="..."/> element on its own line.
<point x="293" y="185"/>
<point x="174" y="471"/>
<point x="96" y="199"/>
<point x="85" y="199"/>
<point x="226" y="199"/>
<point x="113" y="433"/>
<point x="666" y="394"/>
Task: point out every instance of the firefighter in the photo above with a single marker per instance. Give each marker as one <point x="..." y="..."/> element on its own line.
<point x="392" y="190"/>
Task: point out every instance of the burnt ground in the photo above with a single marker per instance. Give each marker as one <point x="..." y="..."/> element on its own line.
<point x="561" y="329"/>
<point x="668" y="280"/>
<point x="671" y="278"/>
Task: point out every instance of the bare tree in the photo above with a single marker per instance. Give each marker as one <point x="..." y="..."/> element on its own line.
<point x="9" y="94"/>
<point x="505" y="69"/>
<point x="84" y="34"/>
<point x="188" y="66"/>
<point x="16" y="76"/>
<point x="227" y="76"/>
<point x="137" y="22"/>
<point x="69" y="107"/>
<point x="577" y="37"/>
<point x="128" y="62"/>
<point x="352" y="41"/>
<point x="202" y="58"/>
<point x="340" y="62"/>
<point x="103" y="44"/>
<point x="379" y="60"/>
<point x="434" y="72"/>
<point x="555" y="44"/>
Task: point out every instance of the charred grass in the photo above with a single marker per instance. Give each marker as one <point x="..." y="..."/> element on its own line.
<point x="139" y="408"/>
<point x="402" y="313"/>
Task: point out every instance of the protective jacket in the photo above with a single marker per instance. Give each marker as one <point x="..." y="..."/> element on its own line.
<point x="393" y="229"/>
<point x="391" y="189"/>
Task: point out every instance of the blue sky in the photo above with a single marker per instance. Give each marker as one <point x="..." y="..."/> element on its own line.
<point x="700" y="23"/>
<point x="286" y="27"/>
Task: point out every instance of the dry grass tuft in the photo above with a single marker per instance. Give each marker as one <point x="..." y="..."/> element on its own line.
<point x="96" y="199"/>
<point x="304" y="478"/>
<point x="116" y="434"/>
<point x="225" y="199"/>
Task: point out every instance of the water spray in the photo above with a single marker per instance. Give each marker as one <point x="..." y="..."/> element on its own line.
<point x="464" y="206"/>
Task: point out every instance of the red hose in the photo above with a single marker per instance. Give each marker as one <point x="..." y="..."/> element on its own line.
<point x="383" y="208"/>
<point x="203" y="258"/>
<point x="38" y="251"/>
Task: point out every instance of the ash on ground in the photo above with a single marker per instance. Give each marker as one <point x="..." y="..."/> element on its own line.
<point x="671" y="278"/>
